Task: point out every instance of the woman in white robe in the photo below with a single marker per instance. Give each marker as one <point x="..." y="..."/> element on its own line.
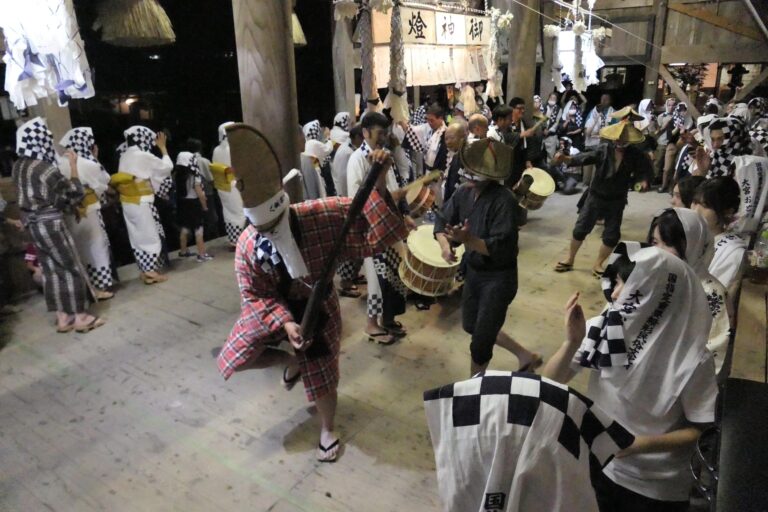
<point x="139" y="174"/>
<point x="224" y="181"/>
<point x="88" y="227"/>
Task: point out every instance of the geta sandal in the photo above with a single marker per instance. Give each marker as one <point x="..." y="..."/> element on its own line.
<point x="563" y="267"/>
<point x="93" y="324"/>
<point x="376" y="338"/>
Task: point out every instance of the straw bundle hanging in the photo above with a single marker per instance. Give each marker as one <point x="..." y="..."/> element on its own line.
<point x="396" y="99"/>
<point x="370" y="92"/>
<point x="134" y="23"/>
<point x="299" y="39"/>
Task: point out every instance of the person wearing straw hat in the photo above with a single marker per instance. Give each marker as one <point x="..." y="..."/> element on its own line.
<point x="619" y="164"/>
<point x="483" y="215"/>
<point x="279" y="258"/>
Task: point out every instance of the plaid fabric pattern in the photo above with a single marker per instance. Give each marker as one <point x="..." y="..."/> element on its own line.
<point x="342" y="121"/>
<point x="81" y="141"/>
<point x="140" y="136"/>
<point x="522" y="396"/>
<point x="34" y="140"/>
<point x="264" y="312"/>
<point x="312" y="130"/>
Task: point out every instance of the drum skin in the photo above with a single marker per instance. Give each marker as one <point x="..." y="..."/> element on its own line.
<point x="423" y="269"/>
<point x="420" y="199"/>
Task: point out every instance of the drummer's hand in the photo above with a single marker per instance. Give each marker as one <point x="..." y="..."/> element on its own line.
<point x="459" y="233"/>
<point x="449" y="255"/>
<point x="409" y="222"/>
<point x="528" y="164"/>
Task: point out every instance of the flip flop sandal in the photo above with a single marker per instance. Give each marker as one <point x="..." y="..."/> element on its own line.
<point x="326" y="449"/>
<point x="104" y="295"/>
<point x="563" y="267"/>
<point x="375" y="338"/>
<point x="93" y="324"/>
<point x="395" y="328"/>
<point x="288" y="384"/>
<point x="67" y="328"/>
<point x="597" y="274"/>
<point x="532" y="366"/>
<point x="352" y="293"/>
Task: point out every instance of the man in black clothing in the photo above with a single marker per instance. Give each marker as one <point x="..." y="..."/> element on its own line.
<point x="619" y="164"/>
<point x="483" y="216"/>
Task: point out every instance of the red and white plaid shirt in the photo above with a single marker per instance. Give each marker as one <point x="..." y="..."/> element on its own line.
<point x="264" y="312"/>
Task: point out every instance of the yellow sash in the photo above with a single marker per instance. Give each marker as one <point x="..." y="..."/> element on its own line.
<point x="130" y="189"/>
<point x="223" y="176"/>
<point x="89" y="199"/>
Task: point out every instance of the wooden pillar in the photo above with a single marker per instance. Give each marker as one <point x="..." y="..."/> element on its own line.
<point x="523" y="38"/>
<point x="343" y="66"/>
<point x="659" y="31"/>
<point x="267" y="73"/>
<point x="546" y="85"/>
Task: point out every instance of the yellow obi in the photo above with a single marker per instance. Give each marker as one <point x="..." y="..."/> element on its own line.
<point x="89" y="199"/>
<point x="223" y="176"/>
<point x="131" y="190"/>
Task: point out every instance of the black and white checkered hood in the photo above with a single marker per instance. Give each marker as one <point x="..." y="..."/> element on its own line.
<point x="518" y="442"/>
<point x="34" y="140"/>
<point x="737" y="142"/>
<point x="81" y="141"/>
<point x="141" y="137"/>
<point x="419" y="115"/>
<point x="313" y="131"/>
<point x="121" y="149"/>
<point x="342" y="120"/>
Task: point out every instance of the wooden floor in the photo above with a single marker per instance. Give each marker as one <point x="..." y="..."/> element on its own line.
<point x="135" y="416"/>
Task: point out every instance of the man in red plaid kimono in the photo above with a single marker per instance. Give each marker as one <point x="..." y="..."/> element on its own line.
<point x="273" y="302"/>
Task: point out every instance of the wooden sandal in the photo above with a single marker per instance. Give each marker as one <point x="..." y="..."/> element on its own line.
<point x="374" y="338"/>
<point x="93" y="324"/>
<point x="563" y="267"/>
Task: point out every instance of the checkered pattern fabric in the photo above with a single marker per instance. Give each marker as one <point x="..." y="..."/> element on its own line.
<point x="164" y="190"/>
<point x="264" y="311"/>
<point x="100" y="277"/>
<point x="342" y="120"/>
<point x="141" y="137"/>
<point x="233" y="232"/>
<point x="349" y="270"/>
<point x="121" y="149"/>
<point x="386" y="265"/>
<point x="81" y="141"/>
<point x="266" y="255"/>
<point x="412" y="141"/>
<point x="375" y="305"/>
<point x="147" y="262"/>
<point x="158" y="221"/>
<point x="312" y="130"/>
<point x="737" y="142"/>
<point x="604" y="345"/>
<point x="34" y="140"/>
<point x="419" y="115"/>
<point x="760" y="136"/>
<point x="520" y="397"/>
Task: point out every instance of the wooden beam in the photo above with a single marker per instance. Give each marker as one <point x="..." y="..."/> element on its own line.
<point x="760" y="17"/>
<point x="659" y="31"/>
<point x="678" y="91"/>
<point x="704" y="53"/>
<point x="704" y="14"/>
<point x="751" y="85"/>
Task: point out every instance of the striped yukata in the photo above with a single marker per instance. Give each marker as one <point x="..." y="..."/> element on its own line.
<point x="44" y="193"/>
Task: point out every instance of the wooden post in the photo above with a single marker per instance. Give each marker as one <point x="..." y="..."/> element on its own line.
<point x="267" y="73"/>
<point x="546" y="85"/>
<point x="678" y="91"/>
<point x="523" y="38"/>
<point x="659" y="32"/>
<point x="343" y="67"/>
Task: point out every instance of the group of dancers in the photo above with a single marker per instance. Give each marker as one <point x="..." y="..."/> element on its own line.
<point x="653" y="350"/>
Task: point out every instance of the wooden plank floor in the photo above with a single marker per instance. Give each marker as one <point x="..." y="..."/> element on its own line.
<point x="134" y="416"/>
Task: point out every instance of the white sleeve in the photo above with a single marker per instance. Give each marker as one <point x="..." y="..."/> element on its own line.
<point x="356" y="169"/>
<point x="700" y="393"/>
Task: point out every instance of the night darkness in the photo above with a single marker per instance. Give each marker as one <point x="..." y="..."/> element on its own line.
<point x="191" y="86"/>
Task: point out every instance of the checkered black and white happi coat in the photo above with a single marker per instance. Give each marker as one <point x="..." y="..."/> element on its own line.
<point x="518" y="442"/>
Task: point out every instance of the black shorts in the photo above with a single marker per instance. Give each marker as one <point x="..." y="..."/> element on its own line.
<point x="484" y="303"/>
<point x="189" y="214"/>
<point x="595" y="208"/>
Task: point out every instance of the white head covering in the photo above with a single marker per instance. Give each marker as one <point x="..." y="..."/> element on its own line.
<point x="741" y="110"/>
<point x="339" y="136"/>
<point x="699" y="244"/>
<point x="313" y="131"/>
<point x="662" y="351"/>
<point x="141" y="136"/>
<point x="343" y="121"/>
<point x="643" y="110"/>
<point x="187" y="159"/>
<point x="34" y="140"/>
<point x="223" y="130"/>
<point x="81" y="141"/>
<point x="317" y="149"/>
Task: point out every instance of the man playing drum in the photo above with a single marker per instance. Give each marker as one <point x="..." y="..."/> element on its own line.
<point x="483" y="216"/>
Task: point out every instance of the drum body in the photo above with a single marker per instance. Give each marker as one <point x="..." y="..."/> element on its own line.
<point x="423" y="269"/>
<point x="420" y="199"/>
<point x="542" y="187"/>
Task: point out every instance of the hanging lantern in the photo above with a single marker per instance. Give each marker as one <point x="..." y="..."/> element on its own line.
<point x="134" y="23"/>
